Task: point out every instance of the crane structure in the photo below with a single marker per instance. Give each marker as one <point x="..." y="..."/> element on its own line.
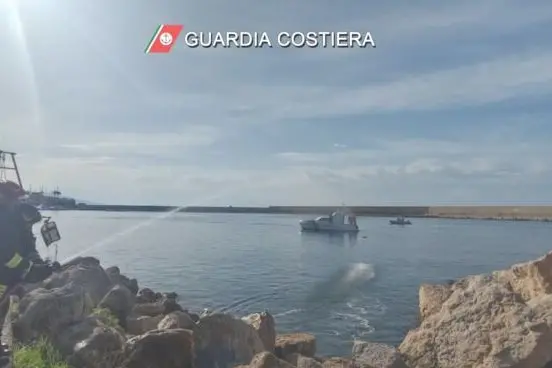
<point x="6" y="166"/>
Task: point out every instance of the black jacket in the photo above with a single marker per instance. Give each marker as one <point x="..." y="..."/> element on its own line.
<point x="16" y="237"/>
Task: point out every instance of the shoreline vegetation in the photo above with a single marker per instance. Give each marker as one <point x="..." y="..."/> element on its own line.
<point x="504" y="213"/>
<point x="88" y="316"/>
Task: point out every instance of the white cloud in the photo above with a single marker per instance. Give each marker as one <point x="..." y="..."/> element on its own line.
<point x="87" y="114"/>
<point x="419" y="157"/>
<point x="127" y="144"/>
<point x="396" y="171"/>
<point x="485" y="82"/>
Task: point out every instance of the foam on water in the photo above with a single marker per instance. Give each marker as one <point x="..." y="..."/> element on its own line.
<point x="344" y="283"/>
<point x="288" y="312"/>
<point x="359" y="272"/>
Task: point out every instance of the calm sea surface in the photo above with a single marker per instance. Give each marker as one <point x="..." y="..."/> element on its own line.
<point x="338" y="288"/>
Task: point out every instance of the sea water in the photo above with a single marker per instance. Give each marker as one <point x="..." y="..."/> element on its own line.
<point x="339" y="288"/>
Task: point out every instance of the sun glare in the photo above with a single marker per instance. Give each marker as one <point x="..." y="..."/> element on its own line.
<point x="16" y="27"/>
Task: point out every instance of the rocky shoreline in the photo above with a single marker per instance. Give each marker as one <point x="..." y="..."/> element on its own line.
<point x="98" y="318"/>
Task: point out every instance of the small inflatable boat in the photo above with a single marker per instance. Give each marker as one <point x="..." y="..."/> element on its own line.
<point x="400" y="221"/>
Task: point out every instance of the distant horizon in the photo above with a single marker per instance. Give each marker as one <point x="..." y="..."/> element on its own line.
<point x="392" y="204"/>
<point x="325" y="206"/>
<point x="515" y="212"/>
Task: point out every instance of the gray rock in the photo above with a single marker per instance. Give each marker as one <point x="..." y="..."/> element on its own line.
<point x="103" y="348"/>
<point x="116" y="277"/>
<point x="84" y="261"/>
<point x="268" y="360"/>
<point x="120" y="301"/>
<point x="141" y="325"/>
<point x="176" y="320"/>
<point x="337" y="362"/>
<point x="170" y="295"/>
<point x="170" y="305"/>
<point x="47" y="312"/>
<point x="265" y="326"/>
<point x="70" y="336"/>
<point x="222" y="341"/>
<point x="148" y="309"/>
<point x="369" y="355"/>
<point x="295" y="343"/>
<point x="88" y="274"/>
<point x="306" y="362"/>
<point x="113" y="271"/>
<point x="498" y="320"/>
<point x="146" y="295"/>
<point x="90" y="344"/>
<point x="160" y="349"/>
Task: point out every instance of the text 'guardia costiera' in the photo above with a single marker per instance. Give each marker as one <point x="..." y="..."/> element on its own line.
<point x="281" y="39"/>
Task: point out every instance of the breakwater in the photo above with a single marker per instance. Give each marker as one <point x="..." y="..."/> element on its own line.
<point x="527" y="213"/>
<point x="314" y="210"/>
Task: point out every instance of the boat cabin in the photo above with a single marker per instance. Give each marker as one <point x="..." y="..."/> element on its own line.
<point x="338" y="218"/>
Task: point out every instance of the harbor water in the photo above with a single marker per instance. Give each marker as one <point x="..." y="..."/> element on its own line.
<point x="339" y="288"/>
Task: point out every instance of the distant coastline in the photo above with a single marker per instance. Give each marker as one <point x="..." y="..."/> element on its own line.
<point x="507" y="213"/>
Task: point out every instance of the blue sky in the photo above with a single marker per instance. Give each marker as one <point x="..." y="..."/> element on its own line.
<point x="452" y="106"/>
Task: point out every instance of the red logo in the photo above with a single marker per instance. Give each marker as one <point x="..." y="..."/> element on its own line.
<point x="164" y="38"/>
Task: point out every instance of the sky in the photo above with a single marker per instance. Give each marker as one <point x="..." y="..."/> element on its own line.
<point x="451" y="107"/>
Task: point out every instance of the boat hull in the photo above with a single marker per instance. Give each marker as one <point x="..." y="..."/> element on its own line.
<point x="313" y="226"/>
<point x="395" y="222"/>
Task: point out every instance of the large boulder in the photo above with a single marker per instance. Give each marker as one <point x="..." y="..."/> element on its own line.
<point x="268" y="360"/>
<point x="223" y="341"/>
<point x="170" y="295"/>
<point x="295" y="343"/>
<point x="370" y="354"/>
<point x="120" y="301"/>
<point x="171" y="305"/>
<point x="85" y="272"/>
<point x="498" y="320"/>
<point x="306" y="362"/>
<point x="141" y="325"/>
<point x="265" y="326"/>
<point x="431" y="298"/>
<point x="146" y="295"/>
<point x="102" y="348"/>
<point x="177" y="320"/>
<point x="66" y="340"/>
<point x="530" y="279"/>
<point x="148" y="309"/>
<point x="85" y="261"/>
<point x="47" y="312"/>
<point x="149" y="303"/>
<point x="160" y="349"/>
<point x="117" y="278"/>
<point x="337" y="362"/>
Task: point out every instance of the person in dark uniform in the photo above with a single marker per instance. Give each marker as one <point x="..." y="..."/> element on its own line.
<point x="19" y="259"/>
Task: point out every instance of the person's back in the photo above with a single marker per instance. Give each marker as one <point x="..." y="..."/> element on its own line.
<point x="12" y="228"/>
<point x="19" y="260"/>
